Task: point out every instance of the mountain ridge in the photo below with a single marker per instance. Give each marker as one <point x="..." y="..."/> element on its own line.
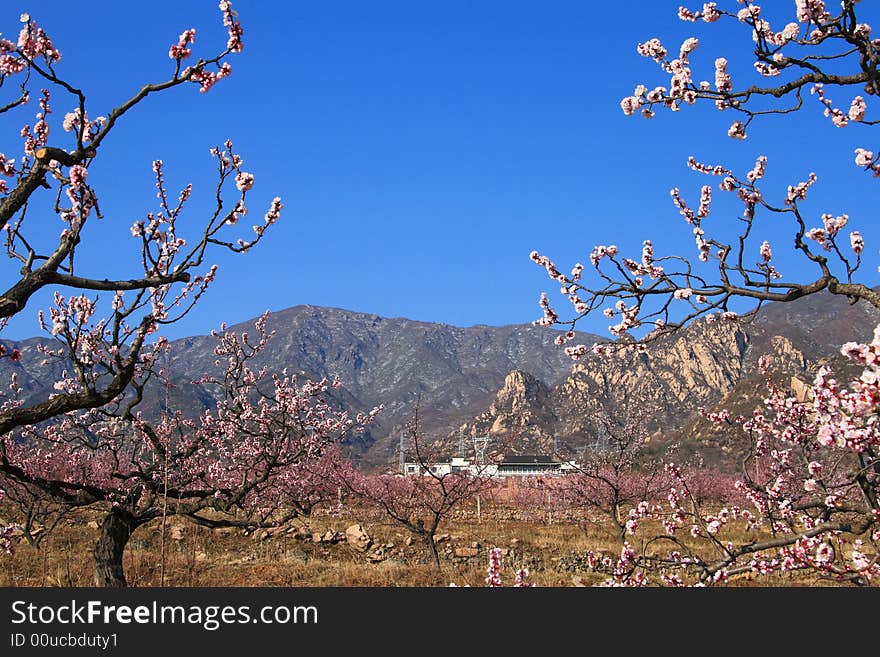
<point x="511" y="379"/>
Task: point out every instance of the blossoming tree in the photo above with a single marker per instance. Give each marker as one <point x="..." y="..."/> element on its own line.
<point x="611" y="478"/>
<point x="252" y="460"/>
<point x="419" y="502"/>
<point x="813" y="469"/>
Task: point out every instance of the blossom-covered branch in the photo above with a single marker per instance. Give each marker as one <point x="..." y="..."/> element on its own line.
<point x="649" y="294"/>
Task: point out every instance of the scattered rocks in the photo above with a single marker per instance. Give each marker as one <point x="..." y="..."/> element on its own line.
<point x="441" y="538"/>
<point x="357" y="537"/>
<point x="177" y="532"/>
<point x="299" y="534"/>
<point x="272" y="532"/>
<point x="466" y="552"/>
<point x="574" y="563"/>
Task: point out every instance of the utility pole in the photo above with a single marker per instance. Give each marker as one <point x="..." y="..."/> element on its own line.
<point x="401" y="464"/>
<point x="480" y="444"/>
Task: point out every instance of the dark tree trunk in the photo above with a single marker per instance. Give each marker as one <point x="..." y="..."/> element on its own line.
<point x="432" y="548"/>
<point x="116" y="529"/>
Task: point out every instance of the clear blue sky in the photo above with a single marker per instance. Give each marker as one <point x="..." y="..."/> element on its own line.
<point x="422" y="150"/>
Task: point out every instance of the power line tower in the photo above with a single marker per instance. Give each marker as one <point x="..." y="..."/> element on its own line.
<point x="401" y="463"/>
<point x="480" y="444"/>
<point x="601" y="442"/>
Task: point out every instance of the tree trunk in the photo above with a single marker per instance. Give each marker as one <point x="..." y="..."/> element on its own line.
<point x="432" y="548"/>
<point x="115" y="529"/>
<point x="618" y="522"/>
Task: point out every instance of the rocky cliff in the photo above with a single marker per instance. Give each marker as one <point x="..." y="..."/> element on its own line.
<point x="705" y="365"/>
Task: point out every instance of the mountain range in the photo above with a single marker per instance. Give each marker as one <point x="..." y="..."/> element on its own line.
<point x="450" y="372"/>
<point x="512" y="382"/>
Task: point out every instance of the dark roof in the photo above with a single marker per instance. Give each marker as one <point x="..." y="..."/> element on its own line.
<point x="528" y="460"/>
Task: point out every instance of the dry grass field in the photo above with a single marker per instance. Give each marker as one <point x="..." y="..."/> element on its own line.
<point x="195" y="556"/>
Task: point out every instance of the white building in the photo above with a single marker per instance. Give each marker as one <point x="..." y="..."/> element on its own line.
<point x="510" y="466"/>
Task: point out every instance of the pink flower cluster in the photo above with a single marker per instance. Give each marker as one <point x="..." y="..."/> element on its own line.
<point x="799" y="192"/>
<point x="737" y="130"/>
<point x="811" y="11"/>
<point x="709" y="14"/>
<point x="33" y="42"/>
<point x="826" y="235"/>
<point x="181" y="49"/>
<point x="722" y="77"/>
<point x="233" y="27"/>
<point x="76" y="122"/>
<point x="244" y="181"/>
<point x="708" y="169"/>
<point x="856" y="242"/>
<point x="207" y="79"/>
<point x="856" y="113"/>
<point x="866" y="159"/>
<point x="494" y="570"/>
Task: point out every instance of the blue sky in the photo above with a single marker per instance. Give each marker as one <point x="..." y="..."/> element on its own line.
<point x="422" y="150"/>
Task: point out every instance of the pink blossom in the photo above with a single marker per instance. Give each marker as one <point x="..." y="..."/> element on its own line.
<point x="653" y="49"/>
<point x="856" y="242"/>
<point x="181" y="49"/>
<point x="244" y="181"/>
<point x="77" y="175"/>
<point x="737" y="130"/>
<point x="722" y="77"/>
<point x="857" y="109"/>
<point x="629" y="105"/>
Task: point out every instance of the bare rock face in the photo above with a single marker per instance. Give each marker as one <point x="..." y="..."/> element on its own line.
<point x="521" y="401"/>
<point x="520" y="394"/>
<point x="699" y="366"/>
<point x="677" y="374"/>
<point x="522" y="410"/>
<point x="785" y="355"/>
<point x="800" y="389"/>
<point x="358" y="538"/>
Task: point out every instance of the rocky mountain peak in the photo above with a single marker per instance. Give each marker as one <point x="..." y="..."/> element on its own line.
<point x="520" y="392"/>
<point x="701" y="365"/>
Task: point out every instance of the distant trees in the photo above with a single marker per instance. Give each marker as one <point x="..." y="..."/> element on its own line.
<point x="419" y="503"/>
<point x="812" y="471"/>
<point x="610" y="480"/>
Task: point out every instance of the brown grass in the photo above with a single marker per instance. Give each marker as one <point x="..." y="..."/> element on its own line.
<point x="203" y="557"/>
